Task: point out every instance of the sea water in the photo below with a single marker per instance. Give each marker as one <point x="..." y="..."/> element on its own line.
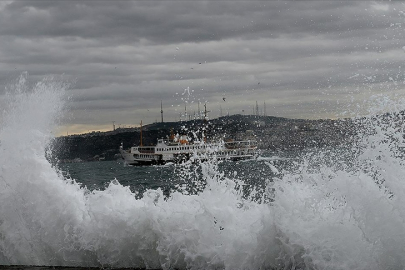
<point x="330" y="208"/>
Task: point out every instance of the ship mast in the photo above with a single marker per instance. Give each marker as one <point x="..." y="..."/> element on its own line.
<point x="185" y="111"/>
<point x="141" y="133"/>
<point x="205" y="122"/>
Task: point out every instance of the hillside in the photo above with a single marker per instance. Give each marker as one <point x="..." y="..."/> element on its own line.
<point x="273" y="133"/>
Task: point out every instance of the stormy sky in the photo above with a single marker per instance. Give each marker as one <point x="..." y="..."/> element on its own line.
<point x="302" y="59"/>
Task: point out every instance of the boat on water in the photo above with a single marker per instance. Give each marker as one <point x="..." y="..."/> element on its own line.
<point x="179" y="149"/>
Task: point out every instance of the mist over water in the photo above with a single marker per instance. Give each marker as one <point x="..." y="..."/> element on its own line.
<point x="338" y="208"/>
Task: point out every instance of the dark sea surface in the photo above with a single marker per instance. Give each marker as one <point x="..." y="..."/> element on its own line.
<point x="173" y="177"/>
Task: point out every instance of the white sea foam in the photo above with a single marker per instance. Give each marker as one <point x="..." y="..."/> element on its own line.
<point x="331" y="213"/>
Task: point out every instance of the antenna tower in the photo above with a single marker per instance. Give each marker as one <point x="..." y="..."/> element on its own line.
<point x="264" y="109"/>
<point x="161" y="110"/>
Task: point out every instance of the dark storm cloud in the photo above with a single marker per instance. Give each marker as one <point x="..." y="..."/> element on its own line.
<point x="180" y="21"/>
<point x="302" y="57"/>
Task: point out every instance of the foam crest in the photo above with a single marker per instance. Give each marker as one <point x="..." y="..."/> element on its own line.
<point x="344" y="204"/>
<point x="334" y="209"/>
<point x="34" y="197"/>
<point x="49" y="220"/>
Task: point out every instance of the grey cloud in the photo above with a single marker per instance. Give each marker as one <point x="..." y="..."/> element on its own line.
<point x="176" y="22"/>
<point x="126" y="56"/>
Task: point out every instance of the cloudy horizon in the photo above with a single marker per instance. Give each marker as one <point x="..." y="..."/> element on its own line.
<point x="303" y="59"/>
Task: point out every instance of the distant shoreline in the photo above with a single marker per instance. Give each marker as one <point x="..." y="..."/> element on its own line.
<point x="272" y="133"/>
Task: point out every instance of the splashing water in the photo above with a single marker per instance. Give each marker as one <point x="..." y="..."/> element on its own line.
<point x="346" y="204"/>
<point x="338" y="209"/>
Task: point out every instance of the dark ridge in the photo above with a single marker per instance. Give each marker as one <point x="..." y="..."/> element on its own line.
<point x="272" y="133"/>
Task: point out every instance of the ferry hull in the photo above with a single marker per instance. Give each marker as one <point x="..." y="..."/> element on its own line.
<point x="182" y="151"/>
<point x="130" y="159"/>
<point x="181" y="158"/>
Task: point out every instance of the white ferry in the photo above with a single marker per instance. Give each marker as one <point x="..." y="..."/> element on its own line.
<point x="180" y="149"/>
